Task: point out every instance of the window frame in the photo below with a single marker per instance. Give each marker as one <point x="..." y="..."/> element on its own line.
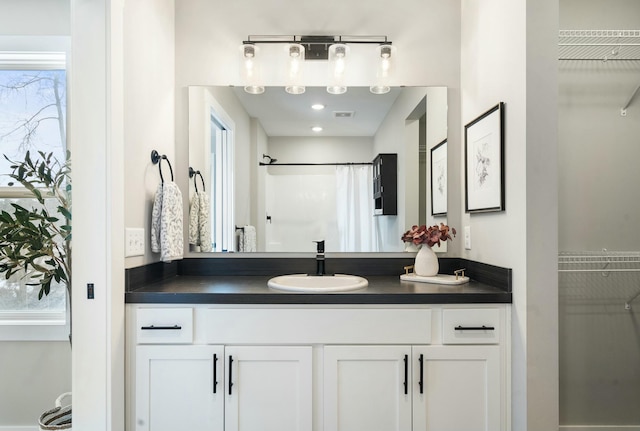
<point x="34" y="55"/>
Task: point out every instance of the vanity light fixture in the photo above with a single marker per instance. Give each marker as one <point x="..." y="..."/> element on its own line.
<point x="338" y="54"/>
<point x="299" y="49"/>
<point x="385" y="55"/>
<point x="316" y="129"/>
<point x="296" y="62"/>
<point x="251" y="69"/>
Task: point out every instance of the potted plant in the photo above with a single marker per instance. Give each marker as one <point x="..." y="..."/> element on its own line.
<point x="35" y="242"/>
<point x="426" y="263"/>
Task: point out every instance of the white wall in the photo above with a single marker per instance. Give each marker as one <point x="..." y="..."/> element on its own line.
<point x="515" y="62"/>
<point x="259" y="142"/>
<point x="33" y="373"/>
<point x="149" y="111"/>
<point x="398" y="133"/>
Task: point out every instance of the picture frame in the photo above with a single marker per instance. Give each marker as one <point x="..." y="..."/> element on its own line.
<point x="484" y="162"/>
<point x="438" y="167"/>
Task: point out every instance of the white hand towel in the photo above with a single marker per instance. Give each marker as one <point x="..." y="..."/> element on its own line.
<point x="249" y="239"/>
<point x="166" y="222"/>
<point x="240" y="237"/>
<point x="204" y="222"/>
<point x="194" y="211"/>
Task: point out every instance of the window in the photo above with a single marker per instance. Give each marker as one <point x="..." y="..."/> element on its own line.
<point x="32" y="118"/>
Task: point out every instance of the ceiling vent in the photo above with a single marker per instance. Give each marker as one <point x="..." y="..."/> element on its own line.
<point x="343" y="114"/>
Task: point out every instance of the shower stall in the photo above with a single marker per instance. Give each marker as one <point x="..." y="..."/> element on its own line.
<point x="599" y="220"/>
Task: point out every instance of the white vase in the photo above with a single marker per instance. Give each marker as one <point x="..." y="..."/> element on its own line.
<point x="426" y="263"/>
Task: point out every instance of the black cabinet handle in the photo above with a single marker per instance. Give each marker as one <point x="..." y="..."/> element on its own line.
<point x="152" y="327"/>
<point x="474" y="328"/>
<point x="406" y="374"/>
<point x="421" y="382"/>
<point x="215" y="373"/>
<point x="230" y="373"/>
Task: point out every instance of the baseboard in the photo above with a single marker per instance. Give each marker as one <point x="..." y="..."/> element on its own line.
<point x="597" y="428"/>
<point x="18" y="428"/>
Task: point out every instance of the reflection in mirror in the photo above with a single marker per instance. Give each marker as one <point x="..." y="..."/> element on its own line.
<point x="276" y="185"/>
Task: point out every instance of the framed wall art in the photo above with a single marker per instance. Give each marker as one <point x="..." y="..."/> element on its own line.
<point x="484" y="162"/>
<point x="439" y="179"/>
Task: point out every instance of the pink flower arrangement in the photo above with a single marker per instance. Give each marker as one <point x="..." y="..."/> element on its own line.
<point x="431" y="235"/>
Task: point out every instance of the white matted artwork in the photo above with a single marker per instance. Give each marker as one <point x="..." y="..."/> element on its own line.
<point x="484" y="162"/>
<point x="439" y="179"/>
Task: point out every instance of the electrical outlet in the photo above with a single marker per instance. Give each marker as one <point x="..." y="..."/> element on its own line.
<point x="134" y="242"/>
<point x="467" y="237"/>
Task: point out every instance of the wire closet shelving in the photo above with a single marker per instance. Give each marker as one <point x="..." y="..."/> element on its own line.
<point x="603" y="46"/>
<point x="604" y="263"/>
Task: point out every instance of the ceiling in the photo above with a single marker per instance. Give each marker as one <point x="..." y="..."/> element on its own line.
<point x="283" y="114"/>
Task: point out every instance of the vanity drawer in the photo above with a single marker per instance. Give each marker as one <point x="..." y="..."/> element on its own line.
<point x="471" y="326"/>
<point x="164" y="325"/>
<point x="317" y="326"/>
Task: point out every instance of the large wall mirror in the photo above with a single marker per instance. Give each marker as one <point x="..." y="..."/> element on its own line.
<point x="266" y="179"/>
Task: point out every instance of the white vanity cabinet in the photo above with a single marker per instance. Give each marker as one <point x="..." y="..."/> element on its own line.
<point x="367" y="388"/>
<point x="319" y="368"/>
<point x="268" y="388"/>
<point x="457" y="388"/>
<point x="222" y="388"/>
<point x="395" y="388"/>
<point x="179" y="388"/>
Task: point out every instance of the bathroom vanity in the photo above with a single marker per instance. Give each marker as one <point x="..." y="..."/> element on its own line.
<point x="227" y="353"/>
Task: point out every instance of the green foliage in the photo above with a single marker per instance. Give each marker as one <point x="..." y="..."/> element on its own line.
<point x="36" y="242"/>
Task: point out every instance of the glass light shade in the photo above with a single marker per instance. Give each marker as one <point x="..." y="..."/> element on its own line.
<point x="295" y="61"/>
<point x="251" y="69"/>
<point x="338" y="54"/>
<point x="385" y="57"/>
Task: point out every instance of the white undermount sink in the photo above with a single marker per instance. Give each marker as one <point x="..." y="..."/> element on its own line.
<point x="317" y="284"/>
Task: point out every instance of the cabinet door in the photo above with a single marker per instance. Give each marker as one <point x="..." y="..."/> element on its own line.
<point x="367" y="388"/>
<point x="456" y="388"/>
<point x="179" y="388"/>
<point x="268" y="388"/>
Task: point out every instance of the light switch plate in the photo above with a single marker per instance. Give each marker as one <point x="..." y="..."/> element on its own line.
<point x="467" y="237"/>
<point x="134" y="242"/>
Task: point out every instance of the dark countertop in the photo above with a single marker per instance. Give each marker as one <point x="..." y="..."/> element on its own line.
<point x="252" y="289"/>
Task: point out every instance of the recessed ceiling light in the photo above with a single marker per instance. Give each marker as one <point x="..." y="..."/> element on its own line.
<point x="316" y="129"/>
<point x="317" y="106"/>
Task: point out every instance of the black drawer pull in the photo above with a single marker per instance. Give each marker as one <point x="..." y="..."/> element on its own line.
<point x="215" y="372"/>
<point x="421" y="382"/>
<point x="230" y="373"/>
<point x="406" y="374"/>
<point x="474" y="328"/>
<point x="152" y="327"/>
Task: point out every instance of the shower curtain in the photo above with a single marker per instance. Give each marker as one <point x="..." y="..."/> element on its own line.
<point x="354" y="203"/>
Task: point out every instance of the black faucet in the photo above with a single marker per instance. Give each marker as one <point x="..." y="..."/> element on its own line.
<point x="320" y="270"/>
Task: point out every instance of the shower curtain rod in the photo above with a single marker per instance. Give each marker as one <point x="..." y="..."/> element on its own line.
<point x="316" y="164"/>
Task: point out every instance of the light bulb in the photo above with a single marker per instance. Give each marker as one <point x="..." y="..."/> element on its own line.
<point x="295" y="53"/>
<point x="251" y="70"/>
<point x="384" y="57"/>
<point x="338" y="54"/>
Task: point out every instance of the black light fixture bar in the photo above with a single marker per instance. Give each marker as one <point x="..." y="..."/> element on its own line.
<point x="316" y="164"/>
<point x="317" y="46"/>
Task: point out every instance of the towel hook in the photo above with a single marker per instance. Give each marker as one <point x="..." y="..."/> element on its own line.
<point x="156" y="159"/>
<point x="192" y="174"/>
